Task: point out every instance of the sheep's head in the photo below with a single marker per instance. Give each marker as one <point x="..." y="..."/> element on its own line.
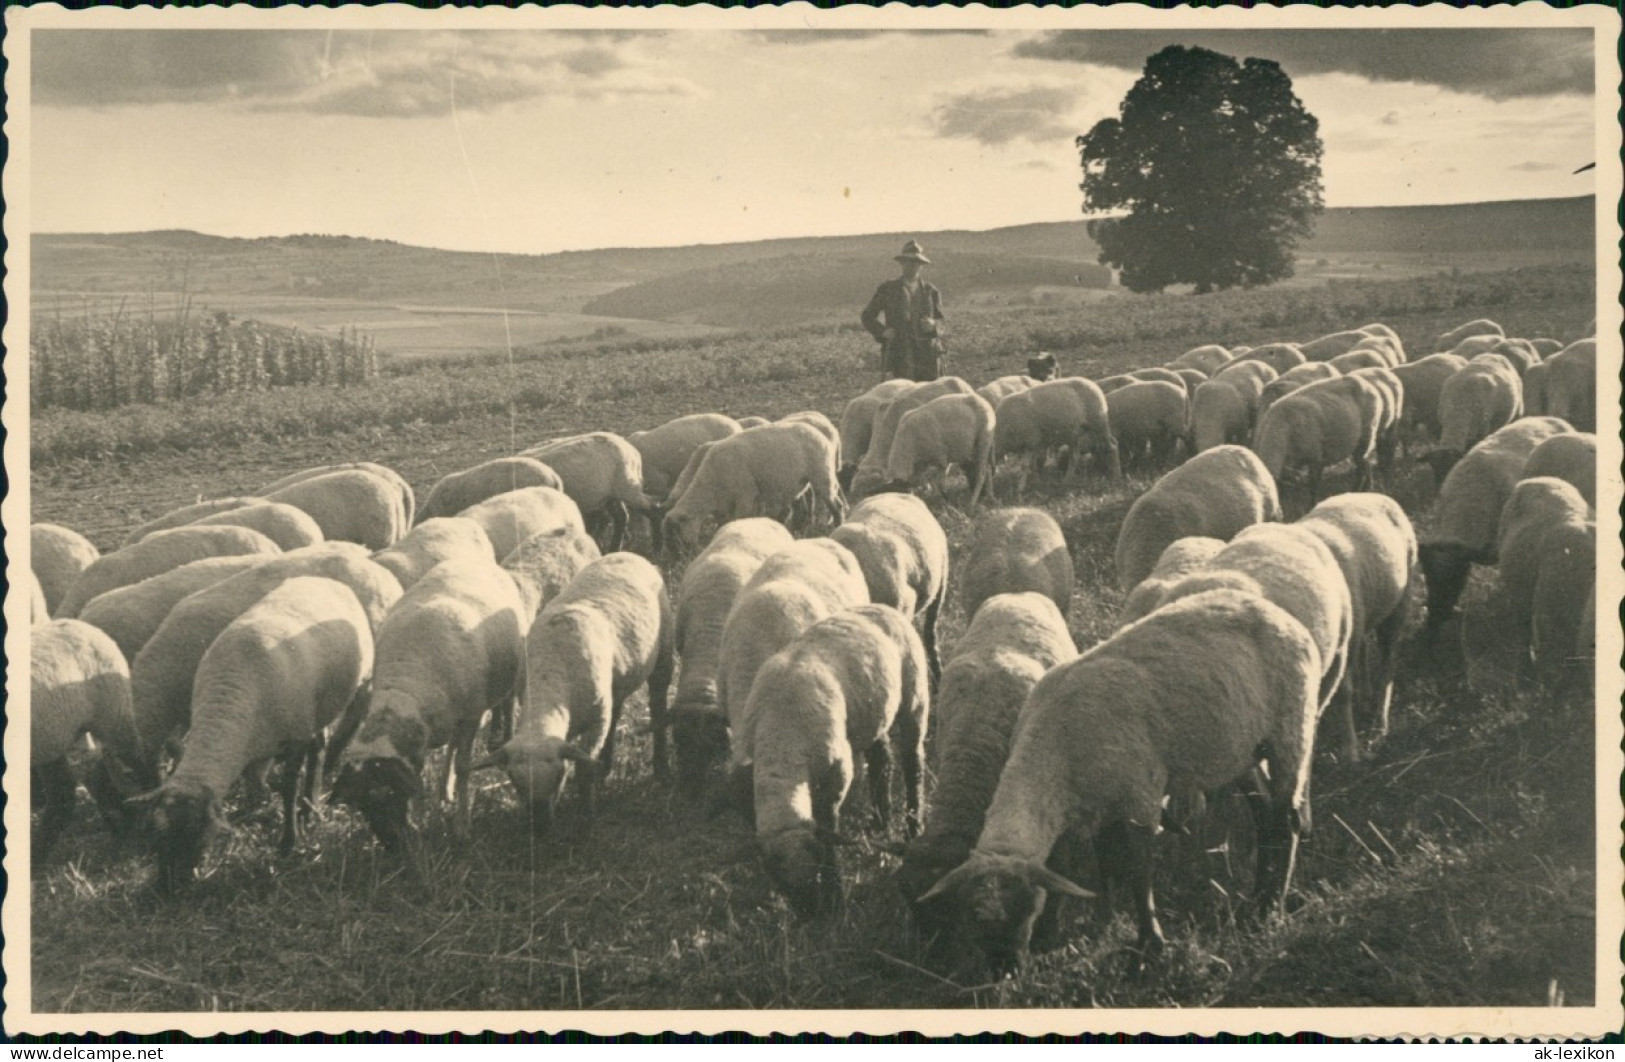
<point x="382" y="789"/>
<point x="1041" y="367"/>
<point x="539" y="767"/>
<point x="181" y="821"/>
<point x="700" y="735"/>
<point x="926" y="859"/>
<point x="867" y="480"/>
<point x="679" y="531"/>
<point x="802" y="864"/>
<point x="1441" y="461"/>
<point x="1445" y="565"/>
<point x="997" y="899"/>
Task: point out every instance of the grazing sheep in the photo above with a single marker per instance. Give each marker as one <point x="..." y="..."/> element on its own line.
<point x="1478" y="400"/>
<point x="1148" y="421"/>
<point x="995" y="391"/>
<point x="406" y="502"/>
<point x="1216" y="494"/>
<point x="1545" y="347"/>
<point x="1108" y="384"/>
<point x="692" y="469"/>
<point x="1423" y="383"/>
<point x="1389" y="347"/>
<point x="350" y="505"/>
<point x="460" y="490"/>
<point x="1362" y="358"/>
<point x="1473" y="346"/>
<point x="79" y="683"/>
<point x="131" y="615"/>
<point x="1182" y="557"/>
<point x="1219" y="416"/>
<point x="1546" y="550"/>
<point x="1561" y="637"/>
<point x="1534" y="389"/>
<point x="1193" y="378"/>
<point x="747" y="423"/>
<point x="1278" y="356"/>
<point x="1010" y="644"/>
<point x="665" y="450"/>
<point x="871" y="469"/>
<point x="288" y="527"/>
<point x="1571" y="385"/>
<point x="436" y="539"/>
<point x="188" y="514"/>
<point x="544" y="564"/>
<point x="711" y="583"/>
<point x="850" y="685"/>
<point x="1015" y="551"/>
<point x="858" y="423"/>
<point x="1328" y="347"/>
<point x="1301" y="376"/>
<point x="156" y="554"/>
<point x="1571" y="457"/>
<point x="793" y="589"/>
<point x="449" y="651"/>
<point x="1322" y="425"/>
<point x="606" y="634"/>
<point x="513" y="516"/>
<point x="1378" y="329"/>
<point x="1069" y="412"/>
<point x="269" y="686"/>
<point x="951" y="430"/>
<point x="760" y="472"/>
<point x="1189" y="699"/>
<point x="1375" y="545"/>
<point x="825" y="426"/>
<point x="58" y="555"/>
<point x="1480" y="327"/>
<point x="1468" y="508"/>
<point x="1041" y="366"/>
<point x="1158" y="373"/>
<point x="1390" y="416"/>
<point x="602" y="474"/>
<point x="1206" y="359"/>
<point x="903" y="552"/>
<point x="1519" y="352"/>
<point x="1249" y="378"/>
<point x="161" y="675"/>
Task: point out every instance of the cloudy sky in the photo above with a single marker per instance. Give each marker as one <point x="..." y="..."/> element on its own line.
<point x="544" y="140"/>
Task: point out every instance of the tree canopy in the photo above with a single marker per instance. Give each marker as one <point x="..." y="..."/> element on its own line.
<point x="1218" y="166"/>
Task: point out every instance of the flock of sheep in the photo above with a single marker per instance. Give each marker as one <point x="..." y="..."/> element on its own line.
<point x="323" y="624"/>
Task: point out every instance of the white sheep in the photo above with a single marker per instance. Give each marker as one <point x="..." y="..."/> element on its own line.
<point x="1534" y="389"/>
<point x="350" y="505"/>
<point x="1207" y="358"/>
<point x="1070" y="412"/>
<point x="460" y="490"/>
<point x="747" y="423"/>
<point x="1387" y="345"/>
<point x="590" y="648"/>
<point x="436" y="539"/>
<point x="1010" y="644"/>
<point x="1360" y="358"/>
<point x="1322" y="425"/>
<point x="1189" y="699"/>
<point x="1546" y="347"/>
<point x="1278" y="356"/>
<point x="1108" y="384"/>
<point x="603" y="475"/>
<point x="858" y="422"/>
<point x="1478" y="400"/>
<point x="870" y="474"/>
<point x="1473" y="346"/>
<point x="1182" y="557"/>
<point x="1300" y="376"/>
<point x="995" y="391"/>
<point x="269" y="686"/>
<point x="188" y="514"/>
<point x="545" y="564"/>
<point x="759" y="472"/>
<point x="1015" y="551"/>
<point x="665" y="450"/>
<point x="1375" y="545"/>
<point x="448" y="651"/>
<point x="400" y="490"/>
<point x="1546" y="550"/>
<point x="1216" y="493"/>
<point x="1249" y="378"/>
<point x="950" y="430"/>
<point x="1330" y="346"/>
<point x="58" y="555"/>
<point x="903" y="552"/>
<point x="1571" y="385"/>
<point x="1193" y="378"/>
<point x="1157" y="373"/>
<point x="1468" y="508"/>
<point x="161" y="675"/>
<point x="711" y="583"/>
<point x="1222" y="411"/>
<point x="1148" y="421"/>
<point x="79" y="683"/>
<point x="156" y="554"/>
<point x="1571" y="457"/>
<point x="851" y="685"/>
<point x="130" y="615"/>
<point x="287" y="526"/>
<point x="1479" y="327"/>
<point x="513" y="516"/>
<point x="1391" y="415"/>
<point x="1423" y="382"/>
<point x="1519" y="352"/>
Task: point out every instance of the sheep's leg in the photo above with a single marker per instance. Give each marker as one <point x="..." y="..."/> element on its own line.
<point x="659" y="688"/>
<point x="345" y="729"/>
<point x="55" y="791"/>
<point x="1384" y="645"/>
<point x="928" y="636"/>
<point x="289" y="763"/>
<point x="458" y="788"/>
<point x="1066" y="859"/>
<point x="877" y="760"/>
<point x="617" y="526"/>
<point x="1125" y="854"/>
<point x="1279" y="824"/>
<point x="911" y="738"/>
<point x="313" y="778"/>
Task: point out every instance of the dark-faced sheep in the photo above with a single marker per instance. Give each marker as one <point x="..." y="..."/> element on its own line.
<point x="1148" y="422"/>
<point x="1069" y="412"/>
<point x="951" y="431"/>
<point x="603" y="474"/>
<point x="760" y="472"/>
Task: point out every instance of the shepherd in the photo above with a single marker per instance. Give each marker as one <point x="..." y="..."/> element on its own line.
<point x="911" y="346"/>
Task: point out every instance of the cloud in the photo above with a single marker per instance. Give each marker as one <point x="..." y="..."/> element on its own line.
<point x="392" y="74"/>
<point x="1391" y="118"/>
<point x="1533" y="167"/>
<point x="999" y="116"/>
<point x="1495" y="63"/>
<point x="837" y="36"/>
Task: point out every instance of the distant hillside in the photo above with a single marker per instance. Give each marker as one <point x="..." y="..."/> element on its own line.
<point x="1532" y="224"/>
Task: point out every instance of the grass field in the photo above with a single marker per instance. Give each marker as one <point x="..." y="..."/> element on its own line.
<point x="1454" y="867"/>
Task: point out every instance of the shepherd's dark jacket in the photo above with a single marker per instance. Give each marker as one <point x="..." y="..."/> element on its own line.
<point x="892" y="303"/>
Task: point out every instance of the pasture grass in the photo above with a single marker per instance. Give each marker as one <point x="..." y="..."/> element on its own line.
<point x="1454" y="866"/>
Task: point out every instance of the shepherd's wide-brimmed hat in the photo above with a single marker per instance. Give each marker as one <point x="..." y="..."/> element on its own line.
<point x="912" y="252"/>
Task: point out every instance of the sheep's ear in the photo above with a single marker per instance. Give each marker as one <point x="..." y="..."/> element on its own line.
<point x="144" y="798"/>
<point x="497" y="758"/>
<point x="960" y="873"/>
<point x="1047" y="879"/>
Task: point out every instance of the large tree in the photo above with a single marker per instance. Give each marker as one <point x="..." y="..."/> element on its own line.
<point x="1218" y="166"/>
